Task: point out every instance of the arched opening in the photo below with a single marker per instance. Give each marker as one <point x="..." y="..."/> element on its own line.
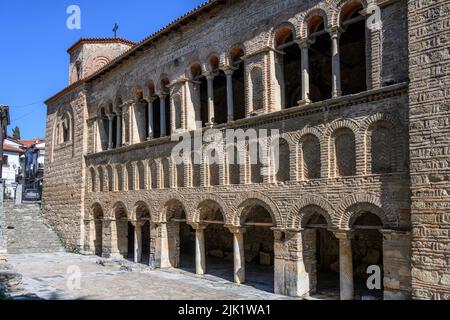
<point x="110" y="172"/>
<point x="165" y="173"/>
<point x="156" y="112"/>
<point x="180" y="237"/>
<point x="180" y="175"/>
<point x="201" y="95"/>
<point x="284" y="162"/>
<point x="141" y="115"/>
<point x="154" y="174"/>
<point x="121" y="233"/>
<point x="254" y="157"/>
<point x="218" y="241"/>
<point x="345" y="152"/>
<point x="258" y="246"/>
<point x="290" y="68"/>
<point x="320" y="253"/>
<point x="103" y="129"/>
<point x="141" y="175"/>
<point x="220" y="98"/>
<point x="367" y="250"/>
<point x="196" y="169"/>
<point x="214" y="169"/>
<point x="97" y="230"/>
<point x="119" y="178"/>
<point x="320" y="70"/>
<point x="234" y="165"/>
<point x="238" y="83"/>
<point x="310" y="157"/>
<point x="130" y="177"/>
<point x="93" y="180"/>
<point x="142" y="215"/>
<point x="352" y="46"/>
<point x="165" y="82"/>
<point x="382" y="147"/>
<point x="101" y="179"/>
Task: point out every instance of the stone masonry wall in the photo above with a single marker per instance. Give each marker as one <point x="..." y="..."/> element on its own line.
<point x="429" y="34"/>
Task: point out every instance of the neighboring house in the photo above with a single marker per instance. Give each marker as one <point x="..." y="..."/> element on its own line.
<point x="12" y="151"/>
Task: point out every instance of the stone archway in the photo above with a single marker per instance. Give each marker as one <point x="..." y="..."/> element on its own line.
<point x="120" y="232"/>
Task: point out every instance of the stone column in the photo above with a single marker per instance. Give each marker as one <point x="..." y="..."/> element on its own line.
<point x="119" y="130"/>
<point x="210" y="81"/>
<point x="200" y="254"/>
<point x="162" y="98"/>
<point x="137" y="241"/>
<point x="230" y="102"/>
<point x="239" y="253"/>
<point x="164" y="258"/>
<point x="110" y="131"/>
<point x="304" y="46"/>
<point x="396" y="264"/>
<point x="150" y="118"/>
<point x="345" y="264"/>
<point x="336" y="64"/>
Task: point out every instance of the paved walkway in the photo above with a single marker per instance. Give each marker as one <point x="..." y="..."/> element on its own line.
<point x="52" y="276"/>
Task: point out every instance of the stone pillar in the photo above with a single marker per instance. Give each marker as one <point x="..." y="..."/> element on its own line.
<point x="336" y="64"/>
<point x="110" y="131"/>
<point x="345" y="264"/>
<point x="150" y="119"/>
<point x="397" y="264"/>
<point x="107" y="238"/>
<point x="239" y="253"/>
<point x="119" y="130"/>
<point x="162" y="98"/>
<point x="304" y="46"/>
<point x="137" y="241"/>
<point x="230" y="102"/>
<point x="200" y="255"/>
<point x="210" y="81"/>
<point x="163" y="258"/>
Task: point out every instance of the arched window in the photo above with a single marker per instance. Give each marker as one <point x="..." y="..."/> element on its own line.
<point x="119" y="178"/>
<point x="165" y="172"/>
<point x="93" y="180"/>
<point x="284" y="159"/>
<point x="352" y="46"/>
<point x="288" y="67"/>
<point x="310" y="157"/>
<point x="63" y="128"/>
<point x="130" y="176"/>
<point x="382" y="149"/>
<point x="234" y="165"/>
<point x="257" y="89"/>
<point x="238" y="83"/>
<point x="196" y="169"/>
<point x="154" y="174"/>
<point x="141" y="175"/>
<point x="214" y="170"/>
<point x="319" y="55"/>
<point x="101" y="179"/>
<point x="200" y="94"/>
<point x="141" y="115"/>
<point x="344" y="150"/>
<point x="110" y="178"/>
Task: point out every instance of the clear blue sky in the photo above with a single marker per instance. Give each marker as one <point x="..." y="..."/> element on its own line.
<point x="34" y="39"/>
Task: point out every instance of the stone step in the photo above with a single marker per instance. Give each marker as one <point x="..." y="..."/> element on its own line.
<point x="28" y="232"/>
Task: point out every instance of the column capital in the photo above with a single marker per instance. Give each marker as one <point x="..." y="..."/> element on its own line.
<point x="198" y="225"/>
<point x="162" y="94"/>
<point x="335" y="32"/>
<point x="229" y="70"/>
<point x="137" y="223"/>
<point x="236" y="229"/>
<point x="304" y="43"/>
<point x="110" y="116"/>
<point x="343" y="234"/>
<point x="210" y="75"/>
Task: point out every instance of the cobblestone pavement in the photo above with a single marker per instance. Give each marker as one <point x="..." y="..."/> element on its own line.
<point x="46" y="276"/>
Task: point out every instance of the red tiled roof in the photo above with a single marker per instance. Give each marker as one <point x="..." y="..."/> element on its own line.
<point x="8" y="147"/>
<point x="29" y="143"/>
<point x="173" y="26"/>
<point x="101" y="40"/>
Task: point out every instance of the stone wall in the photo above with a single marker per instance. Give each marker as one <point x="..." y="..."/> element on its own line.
<point x="429" y="115"/>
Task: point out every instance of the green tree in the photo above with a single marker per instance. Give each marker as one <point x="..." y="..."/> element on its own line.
<point x="16" y="133"/>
